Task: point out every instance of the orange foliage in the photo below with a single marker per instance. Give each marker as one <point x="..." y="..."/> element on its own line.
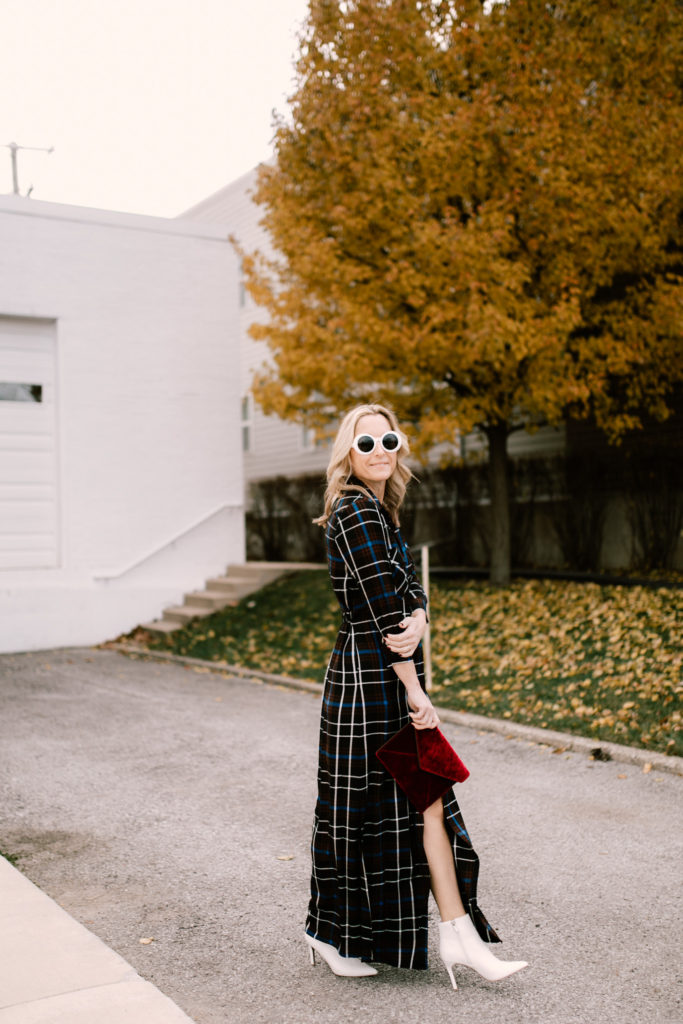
<point x="477" y="215"/>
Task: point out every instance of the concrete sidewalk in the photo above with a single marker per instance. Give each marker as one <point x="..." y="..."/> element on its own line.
<point x="54" y="971"/>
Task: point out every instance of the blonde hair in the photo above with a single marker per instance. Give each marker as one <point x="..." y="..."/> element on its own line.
<point x="339" y="468"/>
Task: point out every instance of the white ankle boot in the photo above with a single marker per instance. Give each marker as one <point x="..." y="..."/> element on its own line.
<point x="344" y="966"/>
<point x="460" y="943"/>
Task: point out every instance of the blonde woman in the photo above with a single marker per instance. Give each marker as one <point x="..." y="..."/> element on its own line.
<point x="375" y="857"/>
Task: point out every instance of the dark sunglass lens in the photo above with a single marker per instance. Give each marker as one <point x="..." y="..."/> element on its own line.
<point x="366" y="444"/>
<point x="390" y="442"/>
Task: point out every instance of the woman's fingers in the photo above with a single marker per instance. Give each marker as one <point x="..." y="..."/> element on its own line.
<point x="405" y="643"/>
<point x="401" y="643"/>
<point x="426" y="725"/>
<point x="412" y="632"/>
<point x="425" y="718"/>
<point x="404" y="649"/>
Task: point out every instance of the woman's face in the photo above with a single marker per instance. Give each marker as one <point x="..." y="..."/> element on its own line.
<point x="377" y="467"/>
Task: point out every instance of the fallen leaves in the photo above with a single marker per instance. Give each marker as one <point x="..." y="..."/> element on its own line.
<point x="602" y="661"/>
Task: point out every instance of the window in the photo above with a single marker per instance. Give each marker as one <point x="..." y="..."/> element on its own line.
<point x="246" y="423"/>
<point x="21" y="392"/>
<point x="307" y="439"/>
<point x="310" y="443"/>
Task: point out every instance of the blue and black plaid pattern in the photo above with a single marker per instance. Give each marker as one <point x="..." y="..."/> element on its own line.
<point x="370" y="878"/>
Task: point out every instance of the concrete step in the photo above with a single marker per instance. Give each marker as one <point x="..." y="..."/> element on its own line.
<point x="233" y="587"/>
<point x="160" y="626"/>
<point x="260" y="574"/>
<point x="240" y="580"/>
<point x="273" y="569"/>
<point x="182" y="613"/>
<point x="211" y="598"/>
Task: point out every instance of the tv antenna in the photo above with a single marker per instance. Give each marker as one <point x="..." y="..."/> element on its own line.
<point x="13" y="149"/>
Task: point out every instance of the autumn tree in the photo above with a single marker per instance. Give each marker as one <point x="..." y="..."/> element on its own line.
<point x="475" y="212"/>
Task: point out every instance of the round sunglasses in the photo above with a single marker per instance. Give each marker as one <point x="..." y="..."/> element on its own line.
<point x="365" y="444"/>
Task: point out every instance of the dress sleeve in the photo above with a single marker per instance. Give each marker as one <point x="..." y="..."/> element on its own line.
<point x="361" y="539"/>
<point x="419" y="598"/>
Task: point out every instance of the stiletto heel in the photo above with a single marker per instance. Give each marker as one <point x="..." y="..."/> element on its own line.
<point x="344" y="966"/>
<point x="312" y="952"/>
<point x="460" y="943"/>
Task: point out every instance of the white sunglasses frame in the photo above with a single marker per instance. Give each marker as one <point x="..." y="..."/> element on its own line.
<point x="378" y="440"/>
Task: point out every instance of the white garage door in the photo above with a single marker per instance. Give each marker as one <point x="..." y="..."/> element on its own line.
<point x="28" y="449"/>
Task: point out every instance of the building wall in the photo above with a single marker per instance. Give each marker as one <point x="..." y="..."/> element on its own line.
<point x="29" y="505"/>
<point x="147" y="461"/>
<point x="275" y="447"/>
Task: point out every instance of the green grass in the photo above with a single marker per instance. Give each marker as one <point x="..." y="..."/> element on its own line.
<point x="599" y="661"/>
<point x="287" y="627"/>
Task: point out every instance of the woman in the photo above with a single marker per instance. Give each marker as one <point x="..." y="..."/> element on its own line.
<point x="375" y="857"/>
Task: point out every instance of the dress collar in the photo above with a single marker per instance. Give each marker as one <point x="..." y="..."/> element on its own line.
<point x="356" y="483"/>
<point x="352" y="481"/>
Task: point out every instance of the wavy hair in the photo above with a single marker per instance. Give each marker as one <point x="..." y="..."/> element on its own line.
<point x="339" y="468"/>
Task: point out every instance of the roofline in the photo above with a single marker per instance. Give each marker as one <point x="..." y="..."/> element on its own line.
<point x="24" y="207"/>
<point x="226" y="189"/>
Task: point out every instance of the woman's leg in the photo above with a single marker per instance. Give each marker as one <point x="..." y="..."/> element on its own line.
<point x="439" y="853"/>
<point x="459" y="941"/>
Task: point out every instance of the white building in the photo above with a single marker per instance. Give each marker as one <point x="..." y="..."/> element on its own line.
<point x="120" y="460"/>
<point x="271" y="446"/>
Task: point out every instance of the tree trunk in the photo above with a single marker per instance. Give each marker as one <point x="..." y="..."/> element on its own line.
<point x="500" y="504"/>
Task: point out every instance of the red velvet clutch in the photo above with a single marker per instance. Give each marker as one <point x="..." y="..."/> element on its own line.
<point x="423" y="763"/>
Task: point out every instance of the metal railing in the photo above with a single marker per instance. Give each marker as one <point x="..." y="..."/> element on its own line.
<point x="112" y="574"/>
<point x="427" y="638"/>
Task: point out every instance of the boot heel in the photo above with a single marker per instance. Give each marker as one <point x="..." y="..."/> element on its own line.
<point x="344" y="966"/>
<point x="460" y="943"/>
<point x="449" y="968"/>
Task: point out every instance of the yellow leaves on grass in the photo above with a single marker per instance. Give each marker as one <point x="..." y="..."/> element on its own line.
<point x="603" y="660"/>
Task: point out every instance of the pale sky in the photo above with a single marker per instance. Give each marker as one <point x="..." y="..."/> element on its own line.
<point x="151" y="105"/>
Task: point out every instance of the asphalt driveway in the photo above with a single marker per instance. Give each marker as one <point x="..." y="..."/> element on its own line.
<point x="169" y="803"/>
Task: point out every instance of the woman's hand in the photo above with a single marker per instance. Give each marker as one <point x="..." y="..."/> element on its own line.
<point x="423" y="712"/>
<point x="413" y="627"/>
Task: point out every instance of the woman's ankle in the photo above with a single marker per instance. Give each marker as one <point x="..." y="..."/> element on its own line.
<point x="453" y="917"/>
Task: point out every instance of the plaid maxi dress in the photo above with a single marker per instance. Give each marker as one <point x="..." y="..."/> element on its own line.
<point x="370" y="878"/>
